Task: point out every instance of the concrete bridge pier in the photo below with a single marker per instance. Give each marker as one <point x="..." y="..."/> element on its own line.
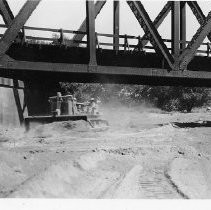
<point x="32" y="99"/>
<point x="9" y="115"/>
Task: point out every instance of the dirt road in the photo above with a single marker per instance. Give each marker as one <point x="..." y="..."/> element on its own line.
<point x="135" y="158"/>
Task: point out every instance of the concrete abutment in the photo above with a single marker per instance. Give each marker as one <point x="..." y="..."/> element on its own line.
<point x="27" y="99"/>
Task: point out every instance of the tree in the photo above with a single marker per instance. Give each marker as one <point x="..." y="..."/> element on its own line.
<point x="164" y="97"/>
<point x="176" y="98"/>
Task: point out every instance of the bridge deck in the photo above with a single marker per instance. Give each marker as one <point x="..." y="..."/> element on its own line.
<point x="54" y="62"/>
<point x="105" y="57"/>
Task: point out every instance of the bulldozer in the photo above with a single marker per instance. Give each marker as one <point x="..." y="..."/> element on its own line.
<point x="66" y="108"/>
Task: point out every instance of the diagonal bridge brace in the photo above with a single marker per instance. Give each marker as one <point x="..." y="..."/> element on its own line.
<point x="15" y="26"/>
<point x="148" y="27"/>
<point x="189" y="52"/>
<point x="198" y="14"/>
<point x="158" y="21"/>
<point x="6" y="12"/>
<point x="78" y="37"/>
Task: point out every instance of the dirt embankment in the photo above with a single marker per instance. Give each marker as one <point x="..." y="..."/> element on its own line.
<point x="135" y="158"/>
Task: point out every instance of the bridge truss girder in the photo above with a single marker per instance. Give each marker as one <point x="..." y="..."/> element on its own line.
<point x="14" y="24"/>
<point x="6" y="12"/>
<point x="158" y="21"/>
<point x="78" y="37"/>
<point x="201" y="18"/>
<point x="189" y="52"/>
<point x="178" y="57"/>
<point x="148" y="27"/>
<point x="178" y="30"/>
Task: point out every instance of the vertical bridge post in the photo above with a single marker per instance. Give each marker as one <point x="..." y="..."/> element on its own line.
<point x="116" y="25"/>
<point x="91" y="36"/>
<point x="175" y="31"/>
<point x="182" y="25"/>
<point x="78" y="37"/>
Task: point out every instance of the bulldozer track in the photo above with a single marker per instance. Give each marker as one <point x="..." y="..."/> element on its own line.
<point x="154" y="184"/>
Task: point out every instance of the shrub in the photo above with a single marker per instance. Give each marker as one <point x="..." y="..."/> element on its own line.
<point x="163" y="97"/>
<point x="177" y="98"/>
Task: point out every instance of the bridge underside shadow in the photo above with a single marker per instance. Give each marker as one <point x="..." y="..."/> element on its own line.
<point x="105" y="57"/>
<point x="33" y="62"/>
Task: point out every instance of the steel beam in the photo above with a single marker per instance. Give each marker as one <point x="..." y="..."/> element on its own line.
<point x="188" y="54"/>
<point x="198" y="14"/>
<point x="19" y="21"/>
<point x="78" y="37"/>
<point x="6" y="12"/>
<point x="8" y="17"/>
<point x="175" y="29"/>
<point x="158" y="20"/>
<point x="197" y="11"/>
<point x="148" y="27"/>
<point x="91" y="36"/>
<point x="17" y="101"/>
<point x="182" y="25"/>
<point x="116" y="24"/>
<point x="25" y="70"/>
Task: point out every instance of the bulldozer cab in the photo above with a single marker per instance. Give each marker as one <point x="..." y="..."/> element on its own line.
<point x="62" y="105"/>
<point x="66" y="108"/>
<point x="68" y="105"/>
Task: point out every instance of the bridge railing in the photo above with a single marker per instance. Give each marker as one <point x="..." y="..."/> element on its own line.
<point x="124" y="43"/>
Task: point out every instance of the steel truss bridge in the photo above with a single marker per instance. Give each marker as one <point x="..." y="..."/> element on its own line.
<point x="25" y="58"/>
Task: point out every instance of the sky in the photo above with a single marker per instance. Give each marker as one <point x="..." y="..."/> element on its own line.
<point x="69" y="14"/>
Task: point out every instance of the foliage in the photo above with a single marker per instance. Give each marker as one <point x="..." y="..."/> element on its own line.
<point x="176" y="98"/>
<point x="163" y="97"/>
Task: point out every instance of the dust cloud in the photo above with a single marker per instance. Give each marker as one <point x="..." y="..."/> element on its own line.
<point x="124" y="118"/>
